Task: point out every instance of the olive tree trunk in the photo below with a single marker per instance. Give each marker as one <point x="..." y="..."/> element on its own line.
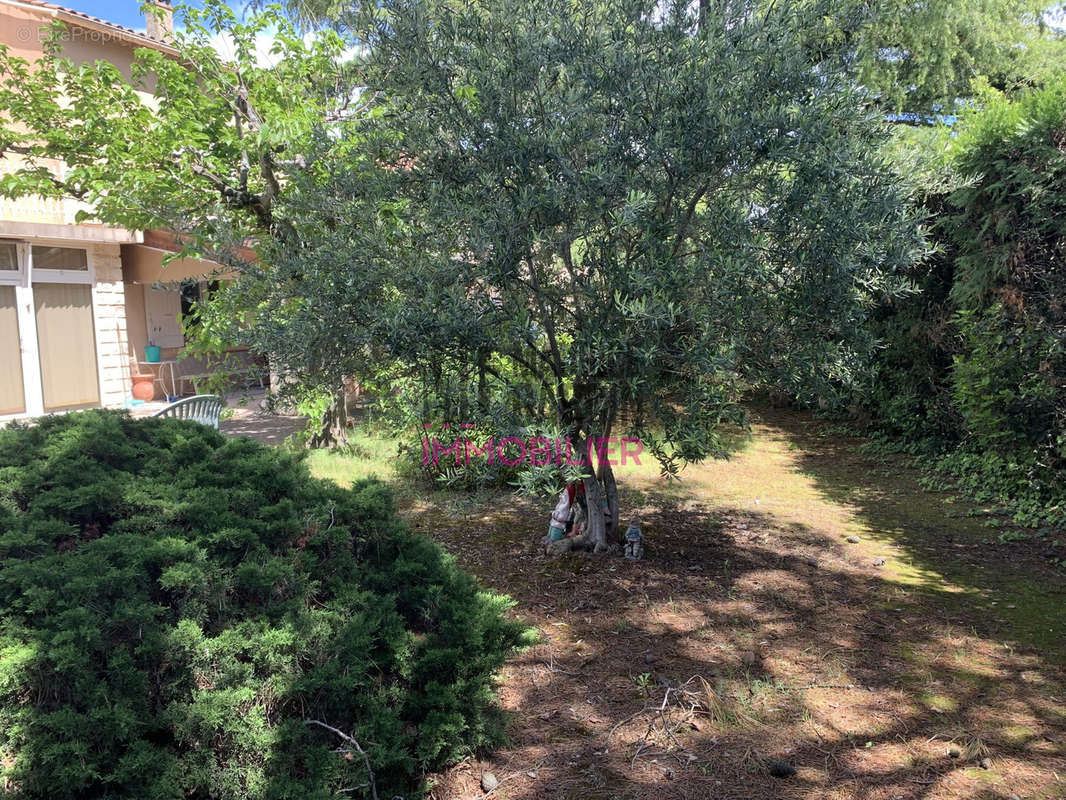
<point x="596" y="533"/>
<point x="333" y="430"/>
<point x="607" y="481"/>
<point x="610" y="488"/>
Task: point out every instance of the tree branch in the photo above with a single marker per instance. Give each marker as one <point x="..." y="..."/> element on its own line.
<point x="689" y="211"/>
<point x="355" y="744"/>
<point x="549" y="328"/>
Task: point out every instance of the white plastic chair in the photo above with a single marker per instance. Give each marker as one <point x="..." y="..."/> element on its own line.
<point x="203" y="408"/>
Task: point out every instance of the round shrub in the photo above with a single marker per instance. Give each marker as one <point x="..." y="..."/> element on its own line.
<point x="179" y="611"/>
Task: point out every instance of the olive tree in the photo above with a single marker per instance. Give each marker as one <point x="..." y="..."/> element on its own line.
<point x="642" y="209"/>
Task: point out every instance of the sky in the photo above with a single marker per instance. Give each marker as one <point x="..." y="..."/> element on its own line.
<point x="128" y="14"/>
<point x="123" y="12"/>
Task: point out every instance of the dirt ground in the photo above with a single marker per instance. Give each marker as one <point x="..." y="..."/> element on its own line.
<point x="924" y="660"/>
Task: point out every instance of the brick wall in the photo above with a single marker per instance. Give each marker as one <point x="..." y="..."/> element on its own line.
<point x="109" y="314"/>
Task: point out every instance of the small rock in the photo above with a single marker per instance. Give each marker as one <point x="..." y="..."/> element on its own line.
<point x="649" y="659"/>
<point x="985" y="763"/>
<point x="853" y="539"/>
<point x="748" y="657"/>
<point x="879" y="562"/>
<point x="489" y="781"/>
<point x="811" y="562"/>
<point x="781" y="769"/>
<point x="559" y="547"/>
<point x="954" y="752"/>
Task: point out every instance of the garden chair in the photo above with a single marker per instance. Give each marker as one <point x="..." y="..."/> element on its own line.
<point x="203" y="408"/>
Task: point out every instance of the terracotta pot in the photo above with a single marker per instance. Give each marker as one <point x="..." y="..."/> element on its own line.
<point x="144" y="387"/>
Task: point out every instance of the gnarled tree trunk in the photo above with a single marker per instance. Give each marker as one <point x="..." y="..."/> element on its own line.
<point x="596" y="532"/>
<point x="607" y="481"/>
<point x="610" y="488"/>
<point x="333" y="432"/>
<point x="596" y="529"/>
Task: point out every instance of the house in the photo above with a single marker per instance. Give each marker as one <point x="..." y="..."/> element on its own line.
<point x="79" y="302"/>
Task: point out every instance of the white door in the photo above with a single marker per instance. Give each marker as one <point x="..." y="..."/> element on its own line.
<point x="162" y="310"/>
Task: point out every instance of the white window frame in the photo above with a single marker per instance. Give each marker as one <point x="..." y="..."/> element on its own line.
<point x="13" y="277"/>
<point x="61" y="275"/>
<point x="23" y="280"/>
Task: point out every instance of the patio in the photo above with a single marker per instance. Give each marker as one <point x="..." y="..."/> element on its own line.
<point x="247" y="417"/>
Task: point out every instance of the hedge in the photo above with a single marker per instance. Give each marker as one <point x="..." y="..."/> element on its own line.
<point x="182" y="614"/>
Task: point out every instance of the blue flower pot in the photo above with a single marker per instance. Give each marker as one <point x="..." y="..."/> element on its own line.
<point x="152" y="354"/>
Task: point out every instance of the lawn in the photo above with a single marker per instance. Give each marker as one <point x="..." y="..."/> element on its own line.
<point x="924" y="660"/>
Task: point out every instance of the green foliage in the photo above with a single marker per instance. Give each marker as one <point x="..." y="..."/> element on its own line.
<point x="177" y="606"/>
<point x="638" y="213"/>
<point x="1030" y="494"/>
<point x="1011" y="215"/>
<point x="208" y="158"/>
<point x="974" y="367"/>
<point x="922" y="57"/>
<point x="1004" y="384"/>
<point x="917" y="57"/>
<point x="1010" y="275"/>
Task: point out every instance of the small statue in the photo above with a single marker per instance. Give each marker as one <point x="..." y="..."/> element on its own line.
<point x="634" y="541"/>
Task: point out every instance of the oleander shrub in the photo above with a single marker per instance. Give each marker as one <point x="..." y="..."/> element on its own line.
<point x="175" y="607"/>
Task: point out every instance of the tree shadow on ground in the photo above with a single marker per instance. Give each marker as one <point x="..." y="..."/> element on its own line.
<point x="742" y="639"/>
<point x="1020" y="591"/>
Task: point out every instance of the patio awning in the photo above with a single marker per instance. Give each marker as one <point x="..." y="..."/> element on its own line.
<point x="142" y="263"/>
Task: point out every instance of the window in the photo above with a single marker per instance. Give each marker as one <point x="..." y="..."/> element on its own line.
<point x="59" y="258"/>
<point x="193" y="293"/>
<point x="9" y="257"/>
<point x="190" y="297"/>
<point x="48" y="356"/>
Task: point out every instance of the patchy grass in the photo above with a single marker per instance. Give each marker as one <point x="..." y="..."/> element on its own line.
<point x="754" y="633"/>
<point x="367" y="456"/>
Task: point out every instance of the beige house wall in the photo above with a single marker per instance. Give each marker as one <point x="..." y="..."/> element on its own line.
<point x="109" y="317"/>
<point x="23" y="30"/>
<point x="24" y="26"/>
<point x="136" y="321"/>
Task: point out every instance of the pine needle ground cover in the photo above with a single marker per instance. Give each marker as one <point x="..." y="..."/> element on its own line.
<point x="179" y="612"/>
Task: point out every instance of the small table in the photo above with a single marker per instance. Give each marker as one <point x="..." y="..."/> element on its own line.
<point x="171" y="395"/>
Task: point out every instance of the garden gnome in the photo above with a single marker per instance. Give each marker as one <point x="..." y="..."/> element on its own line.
<point x="634" y="543"/>
<point x="560" y="518"/>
